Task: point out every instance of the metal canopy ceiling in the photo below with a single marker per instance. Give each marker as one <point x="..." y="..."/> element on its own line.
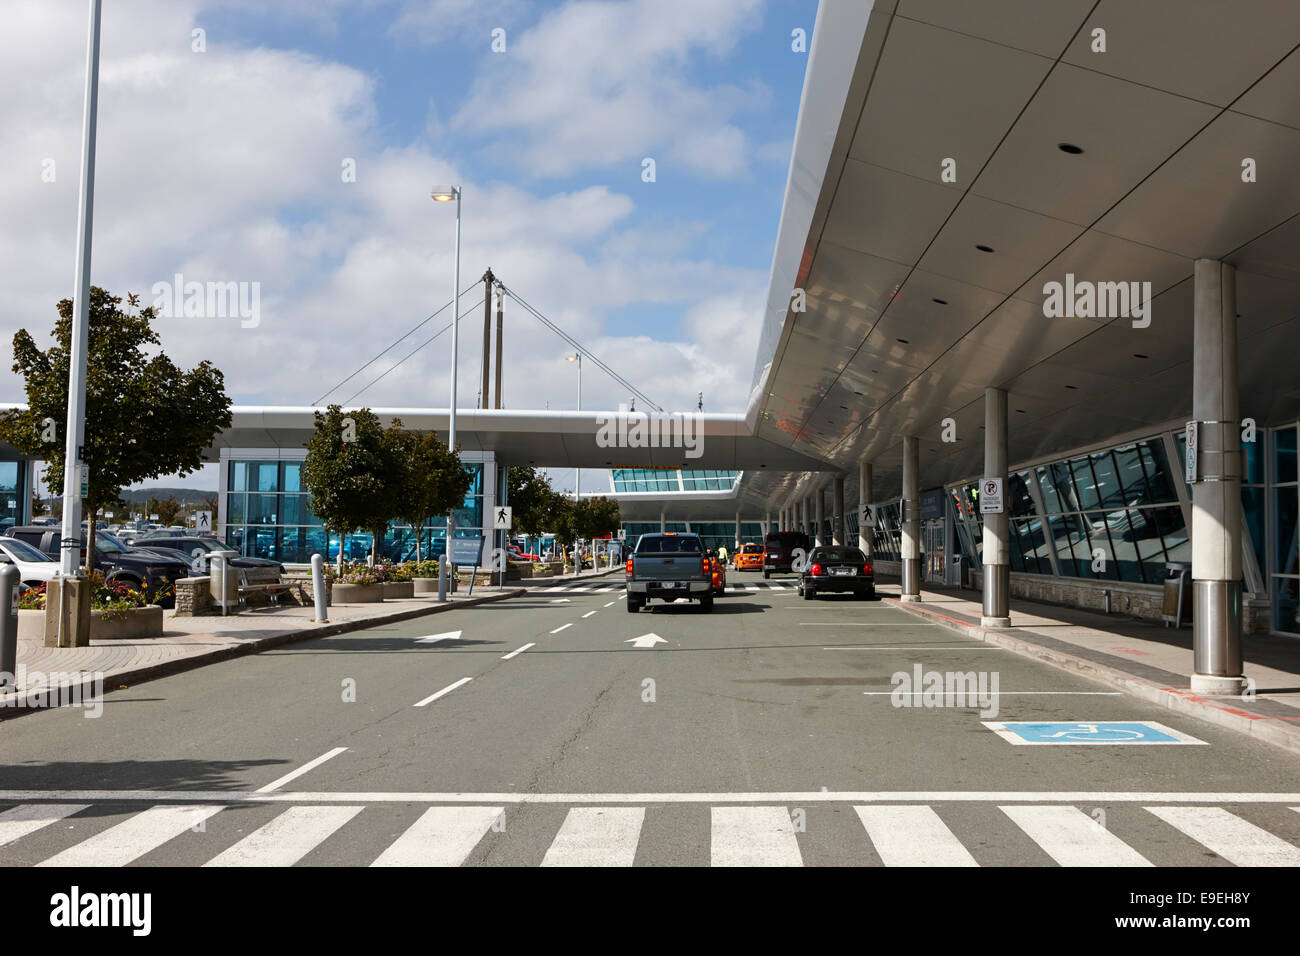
<point x="1186" y="90"/>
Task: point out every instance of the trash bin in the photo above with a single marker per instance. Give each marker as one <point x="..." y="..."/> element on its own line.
<point x="1177" y="605"/>
<point x="960" y="569"/>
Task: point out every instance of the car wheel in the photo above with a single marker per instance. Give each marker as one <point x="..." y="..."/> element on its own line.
<point x="766" y="574"/>
<point x="809" y="594"/>
<point x="633" y="606"/>
<point x="706" y="603"/>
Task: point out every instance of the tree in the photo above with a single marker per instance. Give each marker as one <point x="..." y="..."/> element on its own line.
<point x="531" y="497"/>
<point x="427" y="477"/>
<point x="145" y="417"/>
<point x="38" y="506"/>
<point x="348" y="473"/>
<point x="170" y="511"/>
<point x="596" y="517"/>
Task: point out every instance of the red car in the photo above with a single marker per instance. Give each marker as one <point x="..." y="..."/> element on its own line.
<point x="517" y="555"/>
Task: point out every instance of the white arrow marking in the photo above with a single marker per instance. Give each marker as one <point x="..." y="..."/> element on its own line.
<point x="435" y="638"/>
<point x="559" y="600"/>
<point x="645" y="640"/>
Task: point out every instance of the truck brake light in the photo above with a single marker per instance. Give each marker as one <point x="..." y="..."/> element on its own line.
<point x="629" y="567"/>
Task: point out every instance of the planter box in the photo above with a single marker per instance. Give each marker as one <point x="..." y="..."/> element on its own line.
<point x="358" y="593"/>
<point x="519" y="569"/>
<point x="430" y="585"/>
<point x="400" y="589"/>
<point x="137" y="622"/>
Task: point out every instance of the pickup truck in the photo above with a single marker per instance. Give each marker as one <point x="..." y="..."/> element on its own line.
<point x="155" y="574"/>
<point x="671" y="567"/>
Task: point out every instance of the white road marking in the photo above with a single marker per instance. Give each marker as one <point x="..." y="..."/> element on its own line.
<point x="507" y="657"/>
<point x="1073" y="838"/>
<point x="623" y="596"/>
<point x="435" y="638"/>
<point x="560" y="601"/>
<point x="1236" y="840"/>
<point x="597" y="836"/>
<point x="17" y="822"/>
<point x="443" y="836"/>
<point x="753" y="836"/>
<point x="446" y="690"/>
<point x="975" y="646"/>
<point x="562" y="627"/>
<point x="133" y="837"/>
<point x="588" y="614"/>
<point x="1009" y="693"/>
<point x="912" y="836"/>
<point x="295" y="774"/>
<point x="646" y="641"/>
<point x="859" y="624"/>
<point x="610" y="604"/>
<point x="286" y="839"/>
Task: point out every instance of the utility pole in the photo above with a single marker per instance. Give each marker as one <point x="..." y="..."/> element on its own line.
<point x="488" y="279"/>
<point x="501" y="303"/>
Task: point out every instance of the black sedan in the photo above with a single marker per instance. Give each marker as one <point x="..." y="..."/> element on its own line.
<point x="837" y="570"/>
<point x="198" y="551"/>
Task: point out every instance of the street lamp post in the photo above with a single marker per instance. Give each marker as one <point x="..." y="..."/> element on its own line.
<point x="577" y="482"/>
<point x="447" y="194"/>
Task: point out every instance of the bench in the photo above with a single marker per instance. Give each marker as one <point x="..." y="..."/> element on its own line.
<point x="260" y="581"/>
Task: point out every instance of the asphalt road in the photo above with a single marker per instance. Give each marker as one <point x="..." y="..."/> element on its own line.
<point x="764" y="732"/>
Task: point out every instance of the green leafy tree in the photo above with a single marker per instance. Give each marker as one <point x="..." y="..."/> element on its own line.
<point x="428" y="478"/>
<point x="170" y="511"/>
<point x="348" y="473"/>
<point x="145" y="417"/>
<point x="38" y="506"/>
<point x="596" y="517"/>
<point x="530" y="496"/>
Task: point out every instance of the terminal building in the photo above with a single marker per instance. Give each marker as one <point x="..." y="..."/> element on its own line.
<point x="1031" y="326"/>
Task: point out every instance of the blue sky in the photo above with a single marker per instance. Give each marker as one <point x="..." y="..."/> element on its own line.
<point x="224" y="165"/>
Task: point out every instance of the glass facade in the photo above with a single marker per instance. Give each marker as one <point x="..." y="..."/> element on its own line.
<point x="631" y="480"/>
<point x="1281" y="496"/>
<point x="13" y="489"/>
<point x="268" y="515"/>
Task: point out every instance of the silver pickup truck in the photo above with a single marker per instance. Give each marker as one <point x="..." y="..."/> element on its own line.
<point x="671" y="567"/>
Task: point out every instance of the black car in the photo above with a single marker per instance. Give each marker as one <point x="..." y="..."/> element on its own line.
<point x="197" y="551"/>
<point x="838" y="570"/>
<point x="154" y="574"/>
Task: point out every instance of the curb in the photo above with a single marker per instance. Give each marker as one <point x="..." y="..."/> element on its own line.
<point x="1275" y="731"/>
<point x="167" y="668"/>
<point x="565" y="579"/>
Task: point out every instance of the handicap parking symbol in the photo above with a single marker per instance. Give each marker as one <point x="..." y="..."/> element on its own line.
<point x="1099" y="732"/>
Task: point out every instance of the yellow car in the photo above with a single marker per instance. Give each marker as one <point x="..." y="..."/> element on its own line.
<point x="749" y="558"/>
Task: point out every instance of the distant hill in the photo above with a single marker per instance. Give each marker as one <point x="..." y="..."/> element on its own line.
<point x="186" y="496"/>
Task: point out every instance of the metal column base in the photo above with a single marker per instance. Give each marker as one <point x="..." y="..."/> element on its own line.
<point x="997" y="596"/>
<point x="911" y="579"/>
<point x="1216" y="638"/>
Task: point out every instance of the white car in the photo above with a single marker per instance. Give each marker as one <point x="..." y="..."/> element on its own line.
<point x="33" y="566"/>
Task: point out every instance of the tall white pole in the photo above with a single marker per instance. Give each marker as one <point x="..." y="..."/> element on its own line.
<point x="577" y="484"/>
<point x="444" y="565"/>
<point x="75" y="432"/>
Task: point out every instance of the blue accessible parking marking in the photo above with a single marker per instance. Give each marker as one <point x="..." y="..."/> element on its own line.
<point x="1088" y="732"/>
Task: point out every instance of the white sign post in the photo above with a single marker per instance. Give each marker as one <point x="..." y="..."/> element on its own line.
<point x="991" y="496"/>
<point x="502" y="518"/>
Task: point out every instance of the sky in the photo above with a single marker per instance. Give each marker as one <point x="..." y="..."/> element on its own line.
<point x="290" y="147"/>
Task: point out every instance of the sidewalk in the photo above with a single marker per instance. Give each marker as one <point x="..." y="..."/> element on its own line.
<point x="567" y="578"/>
<point x="189" y="642"/>
<point x="1148" y="660"/>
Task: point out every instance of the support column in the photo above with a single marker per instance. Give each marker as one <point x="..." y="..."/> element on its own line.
<point x="865" y="539"/>
<point x="997" y="551"/>
<point x="737" y="531"/>
<point x="820" y="517"/>
<point x="1216" y="493"/>
<point x="911" y="519"/>
<point x="663" y="524"/>
<point x="839" y="527"/>
<point x="767" y="523"/>
<point x="804" y="524"/>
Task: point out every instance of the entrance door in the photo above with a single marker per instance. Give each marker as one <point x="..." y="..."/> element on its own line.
<point x="935" y="551"/>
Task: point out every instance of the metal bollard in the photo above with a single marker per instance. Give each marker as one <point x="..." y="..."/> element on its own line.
<point x="318" y="587"/>
<point x="9" y="578"/>
<point x="9" y="581"/>
<point x="219" y="579"/>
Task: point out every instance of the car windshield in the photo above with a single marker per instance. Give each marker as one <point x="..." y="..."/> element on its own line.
<point x="839" y="555"/>
<point x="108" y="544"/>
<point x="668" y="544"/>
<point x="23" y="551"/>
<point x="753" y="549"/>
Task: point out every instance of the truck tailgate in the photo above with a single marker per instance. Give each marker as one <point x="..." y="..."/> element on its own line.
<point x="667" y="567"/>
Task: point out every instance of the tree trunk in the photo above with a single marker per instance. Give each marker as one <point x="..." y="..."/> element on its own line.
<point x="89" y="505"/>
<point x="343" y="538"/>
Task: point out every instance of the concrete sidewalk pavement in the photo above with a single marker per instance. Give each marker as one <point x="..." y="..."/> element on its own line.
<point x="1148" y="660"/>
<point x="50" y="674"/>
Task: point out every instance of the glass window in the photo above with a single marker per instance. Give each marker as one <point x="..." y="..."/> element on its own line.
<point x="1252" y="509"/>
<point x="1123" y="539"/>
<point x="1109" y="491"/>
<point x="1084" y="484"/>
<point x="292" y="476"/>
<point x="1284" y="529"/>
<point x="1065" y="533"/>
<point x="236" y="508"/>
<point x="1252" y="459"/>
<point x="263" y="509"/>
<point x="1160" y="486"/>
<point x="1284" y="455"/>
<point x="1286" y="605"/>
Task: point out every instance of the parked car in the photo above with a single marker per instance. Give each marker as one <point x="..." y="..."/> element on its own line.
<point x="837" y="570"/>
<point x="719" y="573"/>
<point x="197" y="551"/>
<point x="517" y="554"/>
<point x="33" y="566"/>
<point x="669" y="566"/>
<point x="153" y="573"/>
<point x="749" y="558"/>
<point x="779" y="550"/>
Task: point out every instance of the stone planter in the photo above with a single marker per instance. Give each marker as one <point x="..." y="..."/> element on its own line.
<point x="401" y="589"/>
<point x="519" y="569"/>
<point x="123" y="625"/>
<point x="357" y="593"/>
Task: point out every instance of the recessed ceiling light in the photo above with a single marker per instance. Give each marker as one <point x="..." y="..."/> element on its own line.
<point x="1140" y="355"/>
<point x="1069" y="148"/>
<point x="1021" y="411"/>
<point x="940" y="301"/>
<point x="904" y="341"/>
<point x="845" y="407"/>
<point x="984" y="248"/>
<point x="1072" y="386"/>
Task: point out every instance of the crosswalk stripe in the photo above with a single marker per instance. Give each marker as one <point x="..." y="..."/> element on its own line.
<point x="1236" y="840"/>
<point x="286" y="839"/>
<point x="443" y="836"/>
<point x="133" y="837"/>
<point x="1073" y="838"/>
<point x="17" y="822"/>
<point x="597" y="836"/>
<point x="753" y="836"/>
<point x="912" y="836"/>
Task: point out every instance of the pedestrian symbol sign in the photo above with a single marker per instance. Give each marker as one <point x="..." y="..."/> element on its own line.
<point x="1101" y="732"/>
<point x="203" y="521"/>
<point x="502" y="518"/>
